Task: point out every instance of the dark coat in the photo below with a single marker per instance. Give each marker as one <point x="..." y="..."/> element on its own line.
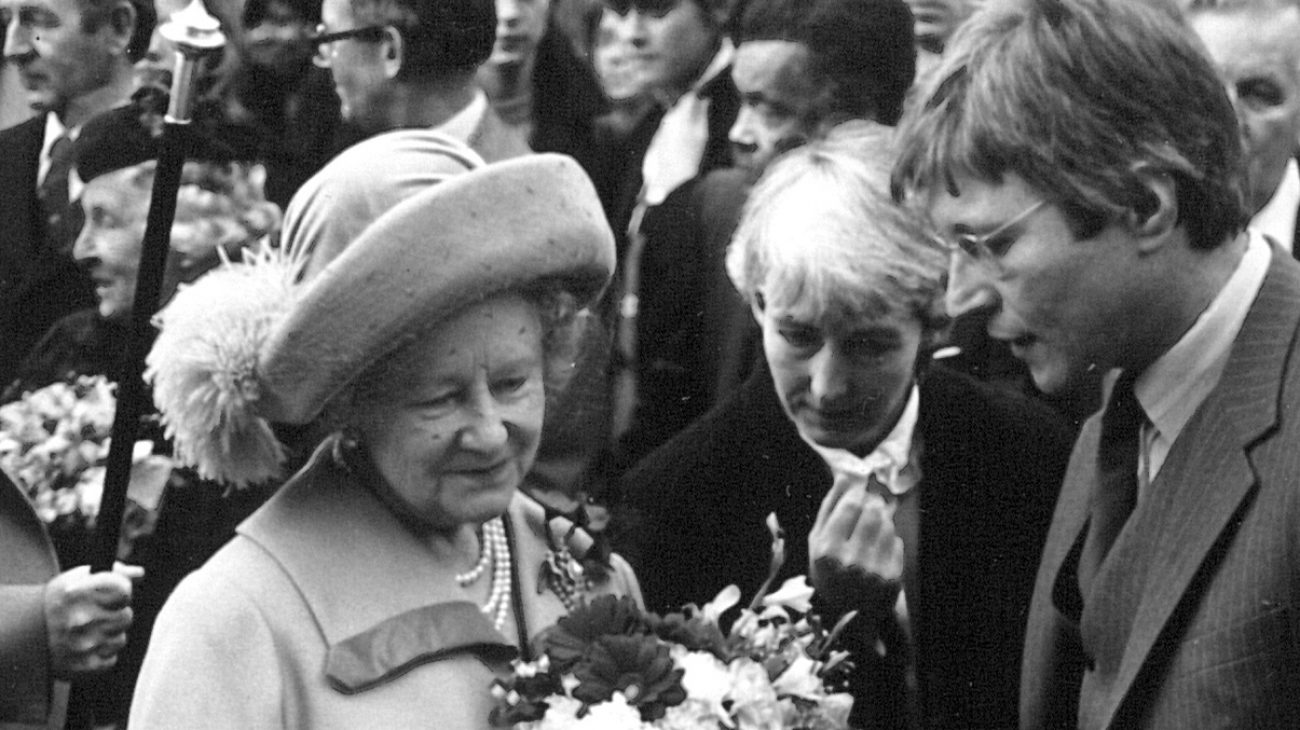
<point x="37" y="285"/>
<point x="692" y="327"/>
<point x="693" y="522"/>
<point x="619" y="180"/>
<point x="1201" y="626"/>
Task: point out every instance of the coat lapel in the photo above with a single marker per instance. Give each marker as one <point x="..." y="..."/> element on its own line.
<point x="1208" y="472"/>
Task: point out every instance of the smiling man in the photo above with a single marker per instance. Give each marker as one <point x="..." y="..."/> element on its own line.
<point x="74" y="59"/>
<point x="1092" y="202"/>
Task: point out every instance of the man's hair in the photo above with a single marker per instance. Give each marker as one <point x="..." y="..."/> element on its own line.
<point x="859" y="253"/>
<point x="1084" y="100"/>
<point x="94" y="13"/>
<point x="863" y="51"/>
<point x="439" y="36"/>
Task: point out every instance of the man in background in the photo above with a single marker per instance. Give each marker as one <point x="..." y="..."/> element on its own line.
<point x="1253" y="46"/>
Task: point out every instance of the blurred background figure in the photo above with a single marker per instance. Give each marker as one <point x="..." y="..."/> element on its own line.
<point x="622" y="77"/>
<point x="539" y="85"/>
<point x="285" y="102"/>
<point x="1253" y="44"/>
<point x="936" y="21"/>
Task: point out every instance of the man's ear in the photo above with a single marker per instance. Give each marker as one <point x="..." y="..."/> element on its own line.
<point x="393" y="48"/>
<point x="1156" y="212"/>
<point x="120" y="26"/>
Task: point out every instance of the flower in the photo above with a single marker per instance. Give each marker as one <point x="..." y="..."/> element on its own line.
<point x="611" y="665"/>
<point x="54" y="444"/>
<point x="637" y="667"/>
<point x="572" y="636"/>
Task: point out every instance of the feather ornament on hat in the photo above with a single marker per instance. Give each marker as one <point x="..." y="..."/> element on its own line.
<point x="203" y="367"/>
<point x="513" y="225"/>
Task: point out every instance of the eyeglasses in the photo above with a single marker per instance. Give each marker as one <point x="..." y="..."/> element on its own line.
<point x="984" y="246"/>
<point x="324" y="41"/>
<point x="650" y="8"/>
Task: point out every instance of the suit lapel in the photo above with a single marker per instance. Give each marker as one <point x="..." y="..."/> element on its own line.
<point x="1207" y="475"/>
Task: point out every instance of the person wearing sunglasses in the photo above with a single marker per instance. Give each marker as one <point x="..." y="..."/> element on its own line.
<point x="1093" y="201"/>
<point x="402" y="64"/>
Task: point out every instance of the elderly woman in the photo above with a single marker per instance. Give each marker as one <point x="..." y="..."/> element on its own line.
<point x="886" y="471"/>
<point x="219" y="208"/>
<point x="396" y="573"/>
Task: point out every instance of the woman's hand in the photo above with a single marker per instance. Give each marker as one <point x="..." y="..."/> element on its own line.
<point x="855" y="556"/>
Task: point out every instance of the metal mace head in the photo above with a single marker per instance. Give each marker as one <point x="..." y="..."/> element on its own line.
<point x="195" y="34"/>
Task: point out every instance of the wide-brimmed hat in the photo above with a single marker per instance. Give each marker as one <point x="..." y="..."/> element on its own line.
<point x="247" y="344"/>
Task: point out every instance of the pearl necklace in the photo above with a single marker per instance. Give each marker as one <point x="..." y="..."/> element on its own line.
<point x="494" y="549"/>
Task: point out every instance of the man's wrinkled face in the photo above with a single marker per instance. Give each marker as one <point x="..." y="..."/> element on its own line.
<point x="1258" y="58"/>
<point x="57" y="61"/>
<point x="777" y="95"/>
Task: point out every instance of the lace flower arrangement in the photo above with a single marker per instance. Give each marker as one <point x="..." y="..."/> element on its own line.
<point x="54" y="444"/>
<point x="609" y="665"/>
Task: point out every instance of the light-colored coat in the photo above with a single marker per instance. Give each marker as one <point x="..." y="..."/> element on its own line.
<point x="1196" y="614"/>
<point x="325" y="612"/>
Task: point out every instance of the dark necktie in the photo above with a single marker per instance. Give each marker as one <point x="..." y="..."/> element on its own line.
<point x="53" y="195"/>
<point x="1115" y="493"/>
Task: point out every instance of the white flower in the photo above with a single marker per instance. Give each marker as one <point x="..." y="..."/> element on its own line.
<point x="794" y="594"/>
<point x="612" y="714"/>
<point x="707" y="680"/>
<point x="726" y="598"/>
<point x="800" y="679"/>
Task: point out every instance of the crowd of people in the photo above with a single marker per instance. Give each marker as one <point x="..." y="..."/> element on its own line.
<point x="476" y="310"/>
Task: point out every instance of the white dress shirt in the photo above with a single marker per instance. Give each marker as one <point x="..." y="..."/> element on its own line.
<point x="1177" y="383"/>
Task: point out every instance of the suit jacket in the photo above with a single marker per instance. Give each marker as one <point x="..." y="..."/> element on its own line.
<point x="693" y="522"/>
<point x="28" y="697"/>
<point x="1194" y="620"/>
<point x="37" y="286"/>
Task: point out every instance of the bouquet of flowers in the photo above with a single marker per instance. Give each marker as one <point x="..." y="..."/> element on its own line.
<point x="609" y="665"/>
<point x="54" y="444"/>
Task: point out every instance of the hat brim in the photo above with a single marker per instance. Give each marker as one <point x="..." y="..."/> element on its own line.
<point x="506" y="226"/>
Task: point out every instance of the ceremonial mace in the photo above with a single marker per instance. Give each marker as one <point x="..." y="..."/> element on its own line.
<point x="195" y="34"/>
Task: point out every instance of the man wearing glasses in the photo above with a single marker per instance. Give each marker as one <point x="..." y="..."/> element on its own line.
<point x="401" y="64"/>
<point x="1082" y="161"/>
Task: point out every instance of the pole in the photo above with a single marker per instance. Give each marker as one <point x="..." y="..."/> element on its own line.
<point x="195" y="34"/>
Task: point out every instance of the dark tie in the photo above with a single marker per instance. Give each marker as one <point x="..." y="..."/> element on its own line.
<point x="1115" y="494"/>
<point x="53" y="195"/>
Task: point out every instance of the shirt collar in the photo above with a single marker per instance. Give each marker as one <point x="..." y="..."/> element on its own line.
<point x="1277" y="218"/>
<point x="889" y="461"/>
<point x="1176" y="384"/>
<point x="463" y="123"/>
